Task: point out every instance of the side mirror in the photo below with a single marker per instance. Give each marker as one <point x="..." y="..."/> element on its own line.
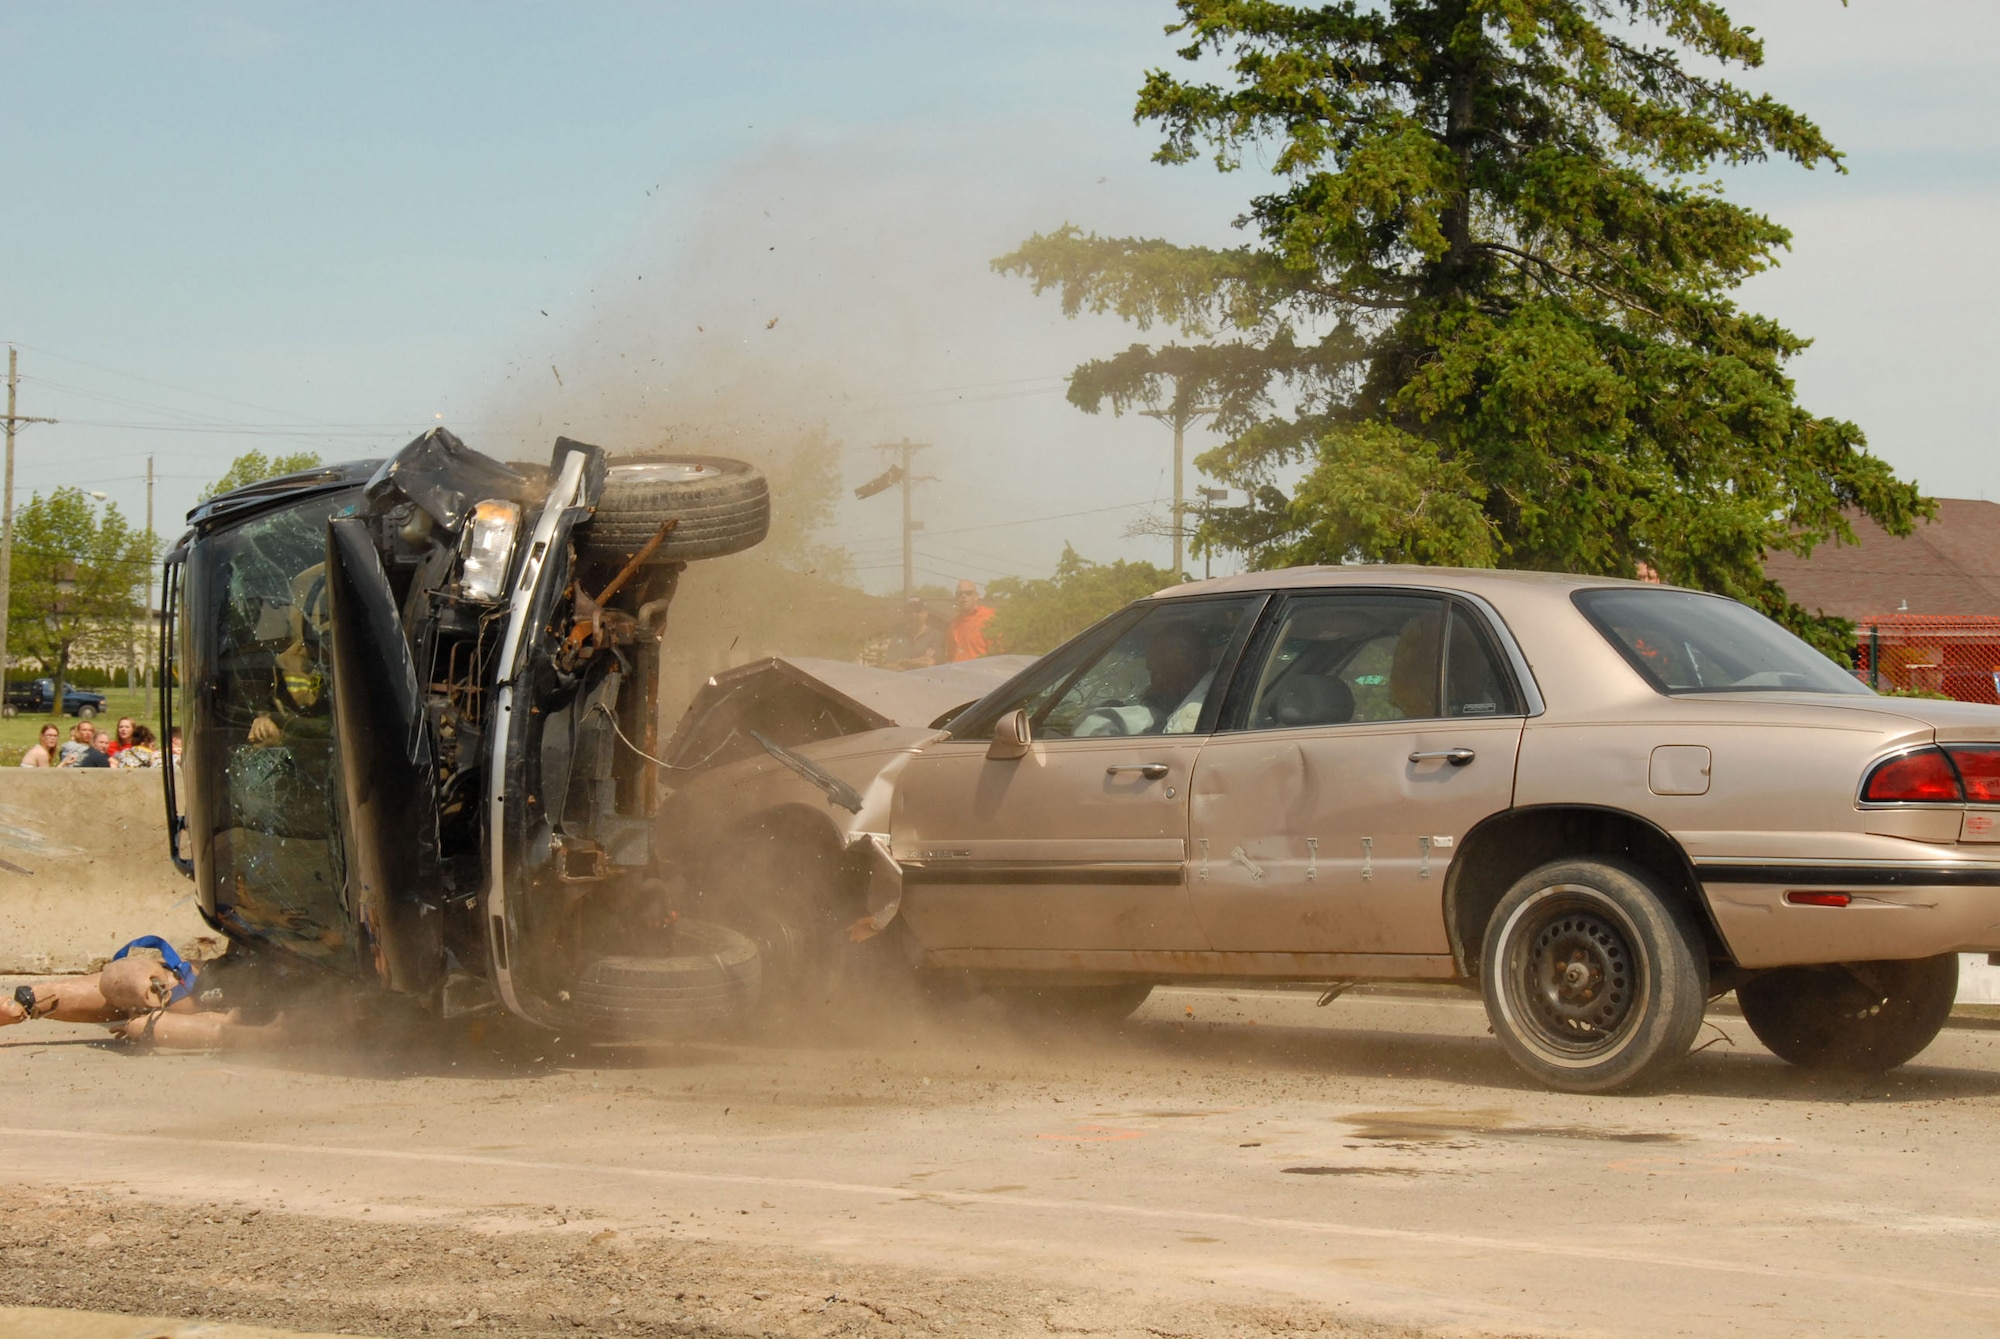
<point x="1011" y="737"/>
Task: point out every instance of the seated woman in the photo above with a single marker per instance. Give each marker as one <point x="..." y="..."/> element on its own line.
<point x="47" y="752"/>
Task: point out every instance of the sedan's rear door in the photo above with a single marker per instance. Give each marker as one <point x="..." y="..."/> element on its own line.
<point x="1370" y="731"/>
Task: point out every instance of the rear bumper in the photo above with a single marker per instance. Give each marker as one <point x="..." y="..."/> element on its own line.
<point x="1895" y="909"/>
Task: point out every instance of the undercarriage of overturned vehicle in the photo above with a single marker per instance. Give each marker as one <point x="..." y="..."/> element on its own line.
<point x="420" y="700"/>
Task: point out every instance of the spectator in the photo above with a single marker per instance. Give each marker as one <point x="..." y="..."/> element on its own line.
<point x="969" y="638"/>
<point x="142" y="751"/>
<point x="78" y="745"/>
<point x="45" y="753"/>
<point x="174" y="746"/>
<point x="98" y="754"/>
<point x="925" y="642"/>
<point x="123" y="739"/>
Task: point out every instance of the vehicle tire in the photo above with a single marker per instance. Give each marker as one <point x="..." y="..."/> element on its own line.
<point x="1862" y="1017"/>
<point x="85" y="712"/>
<point x="720" y="506"/>
<point x="712" y="981"/>
<point x="1088" y="1005"/>
<point x="1593" y="980"/>
<point x="783" y="890"/>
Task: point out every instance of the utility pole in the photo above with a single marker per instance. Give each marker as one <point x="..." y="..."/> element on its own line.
<point x="902" y="472"/>
<point x="14" y="421"/>
<point x="151" y="544"/>
<point x="1178" y="417"/>
<point x="1209" y="497"/>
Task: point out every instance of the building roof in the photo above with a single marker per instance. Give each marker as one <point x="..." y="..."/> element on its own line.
<point x="1950" y="565"/>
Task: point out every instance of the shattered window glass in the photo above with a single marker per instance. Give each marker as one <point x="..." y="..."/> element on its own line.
<point x="259" y="704"/>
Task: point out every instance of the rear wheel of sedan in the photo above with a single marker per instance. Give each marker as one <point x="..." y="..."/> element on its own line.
<point x="1593" y="979"/>
<point x="711" y="980"/>
<point x="718" y="506"/>
<point x="1860" y="1017"/>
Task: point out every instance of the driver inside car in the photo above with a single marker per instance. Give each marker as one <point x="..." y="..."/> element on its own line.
<point x="1178" y="675"/>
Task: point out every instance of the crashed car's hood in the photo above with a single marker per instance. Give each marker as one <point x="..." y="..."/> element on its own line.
<point x="796" y="700"/>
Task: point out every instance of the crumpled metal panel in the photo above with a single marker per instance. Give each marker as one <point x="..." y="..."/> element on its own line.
<point x="445" y="477"/>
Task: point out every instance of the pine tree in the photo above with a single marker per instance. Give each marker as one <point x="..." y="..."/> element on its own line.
<point x="1484" y="313"/>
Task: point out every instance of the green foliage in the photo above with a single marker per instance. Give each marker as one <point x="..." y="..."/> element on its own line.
<point x="76" y="575"/>
<point x="1033" y="616"/>
<point x="254" y="467"/>
<point x="1485" y="305"/>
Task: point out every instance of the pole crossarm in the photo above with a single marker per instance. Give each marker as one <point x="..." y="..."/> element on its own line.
<point x="902" y="472"/>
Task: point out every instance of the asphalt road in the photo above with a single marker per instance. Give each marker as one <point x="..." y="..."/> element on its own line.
<point x="1228" y="1162"/>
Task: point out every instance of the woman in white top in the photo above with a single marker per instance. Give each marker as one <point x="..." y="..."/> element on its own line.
<point x="45" y="753"/>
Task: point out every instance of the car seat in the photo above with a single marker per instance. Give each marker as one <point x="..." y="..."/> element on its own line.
<point x="1310" y="699"/>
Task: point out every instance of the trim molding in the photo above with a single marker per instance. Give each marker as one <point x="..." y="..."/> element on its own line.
<point x="1041" y="872"/>
<point x="1169" y="964"/>
<point x="1854" y="876"/>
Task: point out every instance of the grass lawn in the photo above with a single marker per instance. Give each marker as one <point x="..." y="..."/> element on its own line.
<point x="17" y="733"/>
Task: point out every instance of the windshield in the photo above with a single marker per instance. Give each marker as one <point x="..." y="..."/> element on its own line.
<point x="1683" y="642"/>
<point x="256" y="706"/>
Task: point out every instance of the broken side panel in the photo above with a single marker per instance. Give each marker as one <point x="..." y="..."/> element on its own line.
<point x="387" y="770"/>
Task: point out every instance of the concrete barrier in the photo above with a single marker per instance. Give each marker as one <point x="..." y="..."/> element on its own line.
<point x="84" y="870"/>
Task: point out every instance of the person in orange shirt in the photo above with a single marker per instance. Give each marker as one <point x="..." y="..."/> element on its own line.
<point x="969" y="636"/>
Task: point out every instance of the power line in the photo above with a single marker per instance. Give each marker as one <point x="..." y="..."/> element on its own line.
<point x="163" y="385"/>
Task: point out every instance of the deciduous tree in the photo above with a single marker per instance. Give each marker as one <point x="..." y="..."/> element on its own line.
<point x="1032" y="616"/>
<point x="1484" y="312"/>
<point x="77" y="573"/>
<point x="254" y="467"/>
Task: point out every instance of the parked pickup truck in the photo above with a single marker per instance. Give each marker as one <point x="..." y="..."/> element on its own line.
<point x="38" y="695"/>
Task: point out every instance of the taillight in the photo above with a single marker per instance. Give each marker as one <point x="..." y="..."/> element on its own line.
<point x="1979" y="768"/>
<point x="1925" y="776"/>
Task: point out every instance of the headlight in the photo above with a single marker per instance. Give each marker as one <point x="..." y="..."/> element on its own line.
<point x="489" y="546"/>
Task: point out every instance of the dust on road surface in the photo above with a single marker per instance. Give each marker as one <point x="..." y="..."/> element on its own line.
<point x="1226" y="1163"/>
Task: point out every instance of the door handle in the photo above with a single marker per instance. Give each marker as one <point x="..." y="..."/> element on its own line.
<point x="1152" y="771"/>
<point x="1456" y="757"/>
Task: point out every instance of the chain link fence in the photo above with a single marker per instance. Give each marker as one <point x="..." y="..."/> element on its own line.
<point x="1953" y="656"/>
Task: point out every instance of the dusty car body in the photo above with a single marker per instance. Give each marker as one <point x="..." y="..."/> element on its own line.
<point x="418" y="698"/>
<point x="1601" y="803"/>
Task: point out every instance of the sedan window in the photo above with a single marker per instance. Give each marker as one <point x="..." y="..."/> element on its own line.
<point x="1342" y="659"/>
<point x="1684" y="642"/>
<point x="1153" y="680"/>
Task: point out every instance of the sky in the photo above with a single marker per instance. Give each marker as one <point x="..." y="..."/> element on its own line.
<point x="289" y="226"/>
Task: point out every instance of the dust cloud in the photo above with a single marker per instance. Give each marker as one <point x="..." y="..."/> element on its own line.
<point x="812" y="302"/>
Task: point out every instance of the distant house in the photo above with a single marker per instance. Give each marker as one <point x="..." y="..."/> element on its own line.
<point x="1926" y="606"/>
<point x="1949" y="566"/>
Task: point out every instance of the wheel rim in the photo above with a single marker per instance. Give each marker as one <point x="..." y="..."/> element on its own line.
<point x="1574" y="975"/>
<point x="664" y="472"/>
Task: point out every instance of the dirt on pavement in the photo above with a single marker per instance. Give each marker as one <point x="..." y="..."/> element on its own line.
<point x="1228" y="1163"/>
<point x="553" y="1275"/>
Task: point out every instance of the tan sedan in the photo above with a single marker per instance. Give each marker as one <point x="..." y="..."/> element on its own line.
<point x="1600" y="803"/>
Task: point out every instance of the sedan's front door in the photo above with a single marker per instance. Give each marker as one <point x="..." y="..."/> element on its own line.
<point x="1377" y="729"/>
<point x="1081" y="844"/>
